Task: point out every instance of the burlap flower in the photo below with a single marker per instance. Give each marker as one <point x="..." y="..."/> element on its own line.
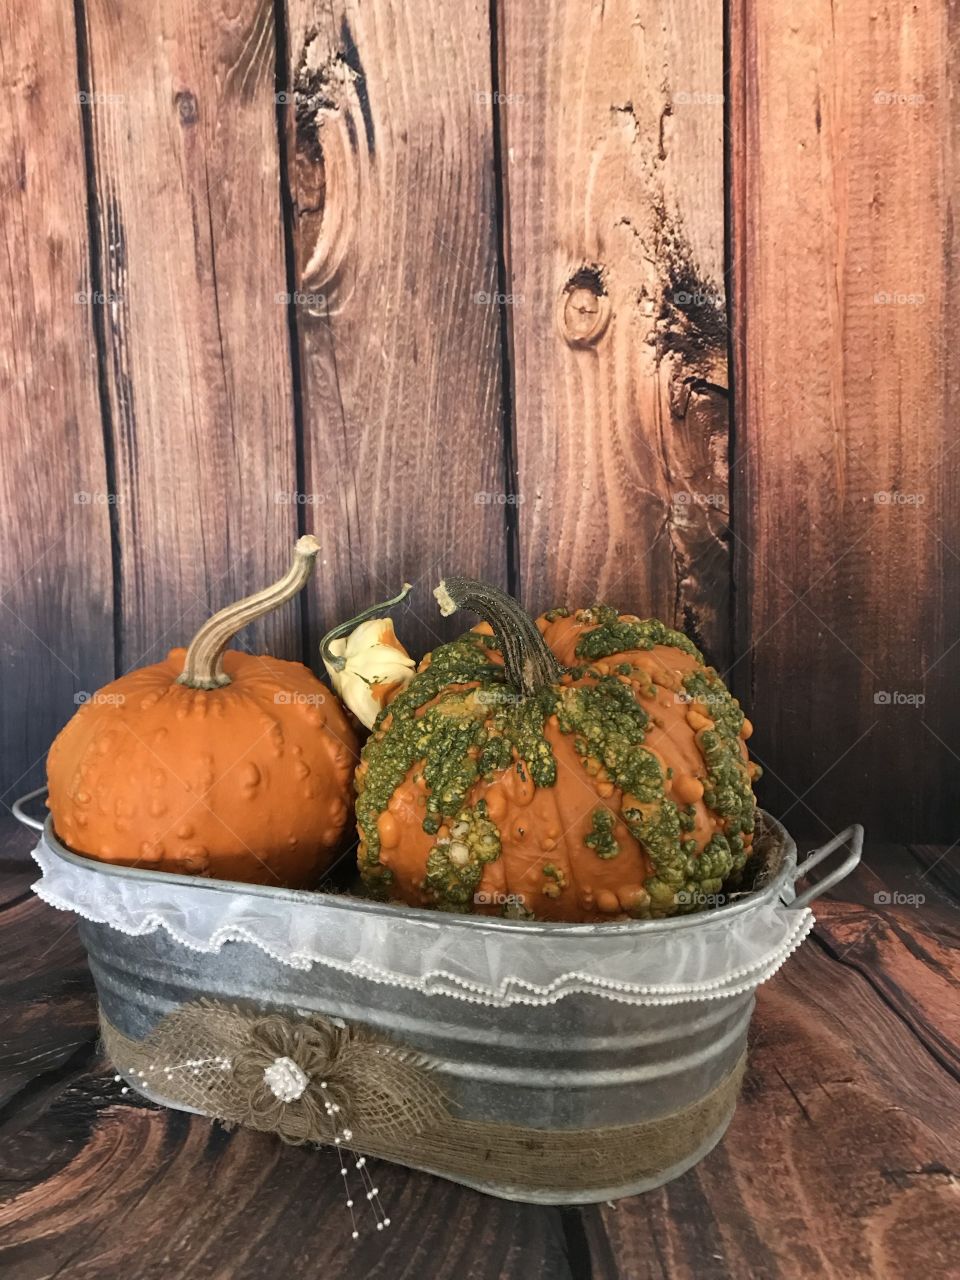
<point x="287" y="1076"/>
<point x="306" y="1079"/>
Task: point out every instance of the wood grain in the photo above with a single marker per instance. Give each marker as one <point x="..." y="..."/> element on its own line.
<point x="844" y="162"/>
<point x="48" y="1018"/>
<point x="196" y="341"/>
<point x="56" y="579"/>
<point x="941" y="869"/>
<point x="107" y="1187"/>
<point x="612" y="125"/>
<point x="900" y="930"/>
<point x="394" y="224"/>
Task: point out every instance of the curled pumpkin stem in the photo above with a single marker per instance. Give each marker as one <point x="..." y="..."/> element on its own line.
<point x="203" y="666"/>
<point x="338" y="661"/>
<point x="528" y="662"/>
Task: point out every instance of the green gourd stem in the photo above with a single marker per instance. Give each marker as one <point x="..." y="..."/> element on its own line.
<point x="203" y="666"/>
<point x="528" y="662"/>
<point x="338" y="662"/>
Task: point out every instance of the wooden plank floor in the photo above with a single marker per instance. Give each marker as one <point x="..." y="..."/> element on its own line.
<point x="841" y="1160"/>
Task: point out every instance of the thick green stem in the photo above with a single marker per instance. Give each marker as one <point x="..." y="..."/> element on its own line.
<point x="528" y="662"/>
<point x="203" y="666"/>
<point x="375" y="610"/>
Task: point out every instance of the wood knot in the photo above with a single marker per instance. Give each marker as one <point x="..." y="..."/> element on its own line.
<point x="186" y="105"/>
<point x="584" y="309"/>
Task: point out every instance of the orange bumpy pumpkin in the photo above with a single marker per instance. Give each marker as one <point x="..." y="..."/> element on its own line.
<point x="212" y="762"/>
<point x="585" y="767"/>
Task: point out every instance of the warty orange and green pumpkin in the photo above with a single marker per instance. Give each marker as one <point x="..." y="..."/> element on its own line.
<point x="586" y="767"/>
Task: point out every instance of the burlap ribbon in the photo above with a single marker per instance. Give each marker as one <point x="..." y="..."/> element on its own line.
<point x="357" y="1089"/>
<point x="232" y="1064"/>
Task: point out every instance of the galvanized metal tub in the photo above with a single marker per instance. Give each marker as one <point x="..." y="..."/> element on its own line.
<point x="584" y="1066"/>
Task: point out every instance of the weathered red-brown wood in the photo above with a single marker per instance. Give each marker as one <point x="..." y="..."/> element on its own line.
<point x="939" y="869"/>
<point x="394" y="223"/>
<point x="129" y="1190"/>
<point x="844" y="169"/>
<point x="595" y="132"/>
<point x="612" y="124"/>
<point x="48" y="1018"/>
<point x="47" y="1007"/>
<point x="56" y="579"/>
<point x="17" y="871"/>
<point x="905" y="939"/>
<point x="196" y="347"/>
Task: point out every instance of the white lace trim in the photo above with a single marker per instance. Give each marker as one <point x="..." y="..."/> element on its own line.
<point x="480" y="966"/>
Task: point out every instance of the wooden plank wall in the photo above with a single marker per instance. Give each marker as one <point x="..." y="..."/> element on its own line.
<point x="394" y="223"/>
<point x="195" y="346"/>
<point x="612" y="119"/>
<point x="844" y="159"/>
<point x="449" y="284"/>
<point x="56" y="579"/>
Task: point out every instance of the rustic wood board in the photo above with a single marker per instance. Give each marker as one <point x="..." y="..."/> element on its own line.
<point x="47" y="1005"/>
<point x="18" y="871"/>
<point x="56" y="580"/>
<point x="391" y="179"/>
<point x="840" y="1160"/>
<point x="940" y="869"/>
<point x="611" y="117"/>
<point x="196" y="343"/>
<point x="114" y="1188"/>
<point x="844" y="124"/>
<point x="48" y="1021"/>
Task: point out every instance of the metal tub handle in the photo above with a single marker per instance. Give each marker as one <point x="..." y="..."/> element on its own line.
<point x="19" y="812"/>
<point x="852" y="835"/>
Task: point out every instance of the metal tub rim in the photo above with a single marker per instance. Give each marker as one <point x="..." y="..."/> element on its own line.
<point x="556" y="930"/>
